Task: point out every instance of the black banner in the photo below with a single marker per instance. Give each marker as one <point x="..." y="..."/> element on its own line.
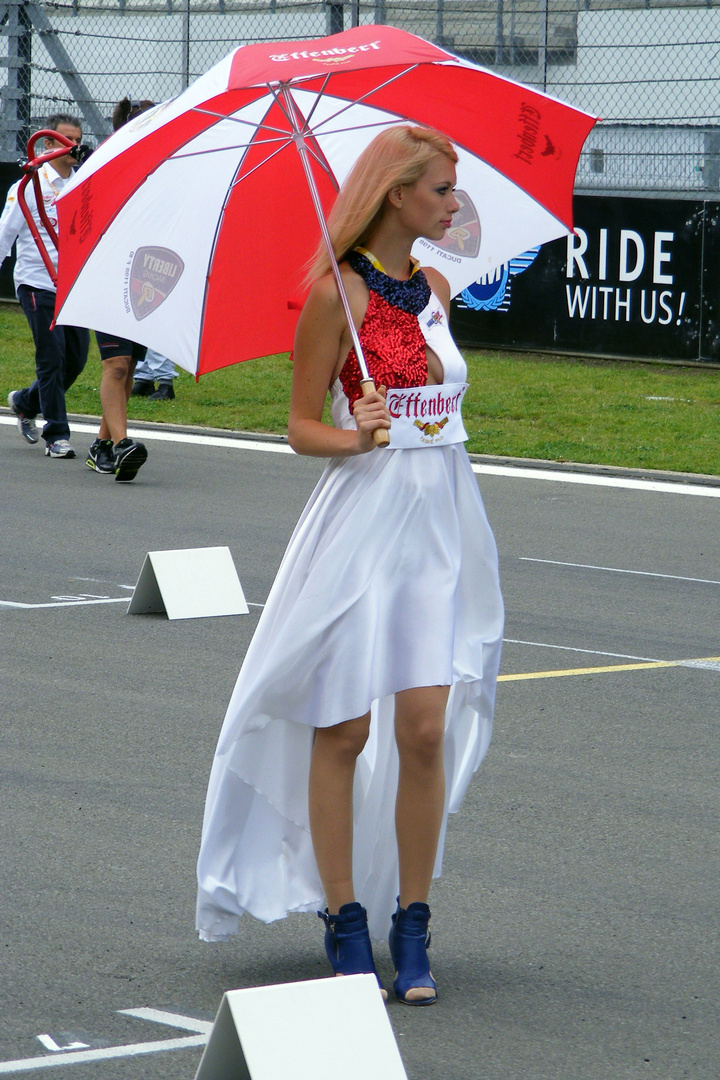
<point x="640" y="279"/>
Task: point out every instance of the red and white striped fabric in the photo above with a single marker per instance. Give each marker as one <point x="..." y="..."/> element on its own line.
<point x="189" y="229"/>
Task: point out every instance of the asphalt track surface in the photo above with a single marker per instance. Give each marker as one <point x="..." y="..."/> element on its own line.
<point x="576" y="924"/>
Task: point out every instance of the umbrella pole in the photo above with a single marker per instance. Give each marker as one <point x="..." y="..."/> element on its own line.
<point x="380" y="436"/>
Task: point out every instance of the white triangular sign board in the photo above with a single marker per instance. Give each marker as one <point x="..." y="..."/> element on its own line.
<point x="193" y="583"/>
<point x="326" y="1029"/>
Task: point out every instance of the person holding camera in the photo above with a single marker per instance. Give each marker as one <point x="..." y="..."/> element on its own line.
<point x="60" y="351"/>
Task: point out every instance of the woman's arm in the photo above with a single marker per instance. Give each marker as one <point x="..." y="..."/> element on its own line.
<point x="320" y="339"/>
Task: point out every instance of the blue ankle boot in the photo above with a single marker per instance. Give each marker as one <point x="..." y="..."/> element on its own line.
<point x="347" y="941"/>
<point x="409" y="941"/>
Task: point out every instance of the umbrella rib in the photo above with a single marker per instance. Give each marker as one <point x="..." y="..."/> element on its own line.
<point x="362" y="127"/>
<point x="317" y="100"/>
<point x="260" y="164"/>
<point x="232" y="146"/>
<point x="324" y="166"/>
<point x="363" y="97"/>
<point x="305" y="131"/>
<point x="254" y="124"/>
<point x="281" y="104"/>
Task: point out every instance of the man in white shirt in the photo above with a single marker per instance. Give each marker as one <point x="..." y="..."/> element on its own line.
<point x="60" y="353"/>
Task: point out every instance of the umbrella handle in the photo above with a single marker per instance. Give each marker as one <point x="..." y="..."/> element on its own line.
<point x="381" y="436"/>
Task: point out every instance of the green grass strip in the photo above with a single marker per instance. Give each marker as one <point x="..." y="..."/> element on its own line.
<point x="651" y="416"/>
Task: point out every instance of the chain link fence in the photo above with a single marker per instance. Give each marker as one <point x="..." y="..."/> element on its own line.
<point x="649" y="68"/>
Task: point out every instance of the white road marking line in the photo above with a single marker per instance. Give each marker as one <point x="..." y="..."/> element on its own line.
<point x="617" y="570"/>
<point x="50" y="1044"/>
<point x="78" y="1057"/>
<point x="70" y="1056"/>
<point x="81" y="603"/>
<point x="161" y="1016"/>
<point x="592" y="652"/>
<point x="76" y="597"/>
<point x="627" y="482"/>
<point x="145" y="434"/>
<point x="558" y="476"/>
<point x="102" y="581"/>
<point x="703" y="665"/>
<point x="65" y="603"/>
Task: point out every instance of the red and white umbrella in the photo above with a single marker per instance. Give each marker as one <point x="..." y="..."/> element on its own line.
<point x="190" y="228"/>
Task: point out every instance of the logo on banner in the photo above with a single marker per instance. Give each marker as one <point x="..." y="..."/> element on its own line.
<point x="493" y="291"/>
<point x="431" y="430"/>
<point x="154" y="273"/>
<point x="426" y="415"/>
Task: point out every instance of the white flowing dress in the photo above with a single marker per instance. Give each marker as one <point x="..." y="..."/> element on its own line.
<point x="390" y="581"/>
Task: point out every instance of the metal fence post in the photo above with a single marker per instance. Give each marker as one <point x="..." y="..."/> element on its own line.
<point x="543" y="43"/>
<point x="94" y="120"/>
<point x="499" y="33"/>
<point x="15" y="95"/>
<point x="335" y="17"/>
<point x="711" y="167"/>
<point x="185" y="78"/>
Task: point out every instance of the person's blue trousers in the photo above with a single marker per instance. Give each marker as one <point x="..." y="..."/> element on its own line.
<point x="60" y="356"/>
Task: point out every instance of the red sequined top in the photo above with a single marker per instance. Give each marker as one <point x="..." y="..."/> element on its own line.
<point x="394" y="349"/>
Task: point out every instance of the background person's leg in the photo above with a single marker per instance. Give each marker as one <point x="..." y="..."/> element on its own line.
<point x="115" y="386"/>
<point x="47" y="394"/>
<point x="77" y="345"/>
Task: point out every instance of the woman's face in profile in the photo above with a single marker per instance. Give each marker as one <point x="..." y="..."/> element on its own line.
<point x="428" y="205"/>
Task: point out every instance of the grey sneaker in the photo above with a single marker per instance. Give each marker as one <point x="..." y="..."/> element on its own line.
<point x="26" y="424"/>
<point x="59" y="448"/>
<point x="100" y="457"/>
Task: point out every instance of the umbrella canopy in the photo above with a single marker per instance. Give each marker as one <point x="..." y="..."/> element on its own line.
<point x="190" y="228"/>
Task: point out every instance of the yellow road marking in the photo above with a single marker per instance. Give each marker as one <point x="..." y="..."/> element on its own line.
<point x="610" y="667"/>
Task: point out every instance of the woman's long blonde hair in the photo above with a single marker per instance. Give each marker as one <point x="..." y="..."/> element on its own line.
<point x="398" y="155"/>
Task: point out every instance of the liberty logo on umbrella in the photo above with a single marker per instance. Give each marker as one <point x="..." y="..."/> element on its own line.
<point x="463" y="236"/>
<point x="155" y="273"/>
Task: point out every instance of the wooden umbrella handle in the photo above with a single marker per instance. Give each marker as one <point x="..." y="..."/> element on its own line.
<point x="381" y="436"/>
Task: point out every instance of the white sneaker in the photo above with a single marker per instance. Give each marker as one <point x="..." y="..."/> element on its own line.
<point x="59" y="448"/>
<point x="26" y="424"/>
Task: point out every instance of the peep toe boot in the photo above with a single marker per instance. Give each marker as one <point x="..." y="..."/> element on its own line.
<point x="347" y="941"/>
<point x="409" y="941"/>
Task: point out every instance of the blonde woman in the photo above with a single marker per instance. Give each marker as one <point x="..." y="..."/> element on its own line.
<point x="364" y="704"/>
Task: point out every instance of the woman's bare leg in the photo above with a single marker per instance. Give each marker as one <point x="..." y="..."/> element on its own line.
<point x="332" y="772"/>
<point x="420" y="734"/>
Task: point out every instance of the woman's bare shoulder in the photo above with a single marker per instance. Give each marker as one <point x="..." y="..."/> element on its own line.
<point x="438" y="284"/>
<point x="324" y="291"/>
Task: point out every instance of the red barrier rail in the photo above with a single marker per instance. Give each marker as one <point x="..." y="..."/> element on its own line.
<point x="31" y="169"/>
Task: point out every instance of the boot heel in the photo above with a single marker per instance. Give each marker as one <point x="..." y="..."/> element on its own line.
<point x="409" y="941"/>
<point x="347" y="942"/>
